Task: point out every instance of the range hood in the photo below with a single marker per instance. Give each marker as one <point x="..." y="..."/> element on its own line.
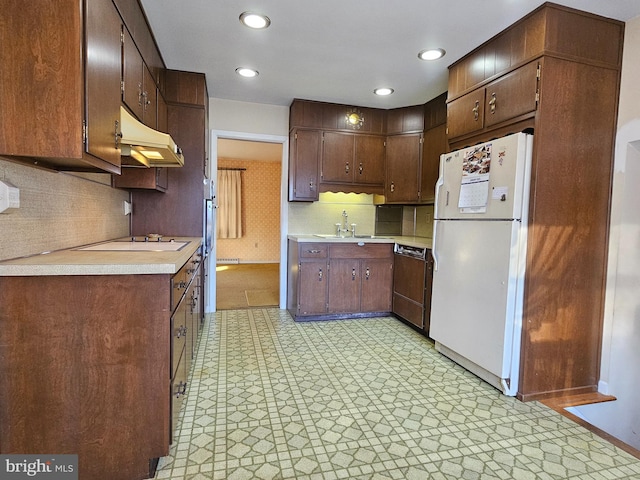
<point x="146" y="147"/>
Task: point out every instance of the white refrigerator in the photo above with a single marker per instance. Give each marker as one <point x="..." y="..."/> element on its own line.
<point x="479" y="250"/>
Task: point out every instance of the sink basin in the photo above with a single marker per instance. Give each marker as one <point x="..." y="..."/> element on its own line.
<point x="325" y="235"/>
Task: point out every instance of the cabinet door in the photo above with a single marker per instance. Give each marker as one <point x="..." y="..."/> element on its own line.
<point x="377" y="280"/>
<point x="132" y="76"/>
<point x="150" y="99"/>
<point x="102" y="80"/>
<point x="344" y="285"/>
<point x="435" y="144"/>
<point x="402" y="164"/>
<point x="337" y="157"/>
<point x="369" y="159"/>
<point x="312" y="288"/>
<point x="304" y="163"/>
<point x="466" y="114"/>
<point x="511" y="95"/>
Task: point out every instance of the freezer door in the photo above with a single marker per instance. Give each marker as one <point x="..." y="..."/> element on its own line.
<point x="487" y="181"/>
<point x="476" y="307"/>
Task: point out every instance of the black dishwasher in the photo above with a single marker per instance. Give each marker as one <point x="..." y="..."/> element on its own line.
<point x="412" y="285"/>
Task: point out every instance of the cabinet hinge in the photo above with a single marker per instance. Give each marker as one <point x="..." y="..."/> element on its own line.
<point x="538" y="72"/>
<point x="537" y="97"/>
<point x="84" y="132"/>
<point x="122" y="87"/>
<point x="121" y="37"/>
<point x="295" y="136"/>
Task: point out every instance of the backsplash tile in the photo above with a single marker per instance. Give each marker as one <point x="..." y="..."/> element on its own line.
<point x="59" y="210"/>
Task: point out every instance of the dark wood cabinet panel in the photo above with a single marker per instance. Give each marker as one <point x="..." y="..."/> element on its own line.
<point x="143" y="178"/>
<point x="187" y="88"/>
<point x="369" y="160"/>
<point x="338" y="157"/>
<point x="304" y="164"/>
<point x="376" y="279"/>
<point x="512" y="95"/>
<point x="344" y="285"/>
<point x="178" y="211"/>
<point x="132" y="76"/>
<point x="405" y="120"/>
<point x="100" y="381"/>
<point x="435" y="144"/>
<point x="103" y="76"/>
<point x="313" y="287"/>
<point x="466" y="114"/>
<point x="402" y="168"/>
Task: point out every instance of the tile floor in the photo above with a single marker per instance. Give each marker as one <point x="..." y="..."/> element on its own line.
<point x="362" y="399"/>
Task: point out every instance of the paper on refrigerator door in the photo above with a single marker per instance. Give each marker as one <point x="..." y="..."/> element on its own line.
<point x="474" y="188"/>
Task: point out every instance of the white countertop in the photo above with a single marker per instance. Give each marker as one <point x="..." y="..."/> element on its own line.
<point x="424" y="242"/>
<point x="94" y="261"/>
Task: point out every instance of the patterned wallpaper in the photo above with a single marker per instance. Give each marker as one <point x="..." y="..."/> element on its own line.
<point x="260" y="242"/>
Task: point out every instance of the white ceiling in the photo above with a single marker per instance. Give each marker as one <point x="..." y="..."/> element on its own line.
<point x="336" y="50"/>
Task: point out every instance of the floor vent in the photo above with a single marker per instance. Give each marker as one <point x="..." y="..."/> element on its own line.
<point x="227" y="260"/>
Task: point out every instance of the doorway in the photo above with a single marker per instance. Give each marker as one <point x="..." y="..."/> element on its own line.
<point x="245" y="272"/>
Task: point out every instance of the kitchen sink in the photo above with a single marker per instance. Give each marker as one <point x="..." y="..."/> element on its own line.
<point x="326" y="235"/>
<point x="128" y="246"/>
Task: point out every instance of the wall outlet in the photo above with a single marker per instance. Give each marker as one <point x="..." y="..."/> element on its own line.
<point x="9" y="196"/>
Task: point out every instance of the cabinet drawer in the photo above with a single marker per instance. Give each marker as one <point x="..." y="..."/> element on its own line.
<point x="178" y="394"/>
<point x="368" y="250"/>
<point x="313" y="250"/>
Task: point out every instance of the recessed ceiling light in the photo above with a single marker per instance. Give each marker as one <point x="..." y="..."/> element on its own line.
<point x="246" y="72"/>
<point x="383" y="91"/>
<point x="431" y="54"/>
<point x="254" y="20"/>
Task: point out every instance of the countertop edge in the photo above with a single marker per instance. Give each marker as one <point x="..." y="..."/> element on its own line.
<point x="424" y="242"/>
<point x="73" y="262"/>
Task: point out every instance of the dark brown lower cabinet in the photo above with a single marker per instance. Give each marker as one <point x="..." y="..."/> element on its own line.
<point x="88" y="366"/>
<point x="339" y="280"/>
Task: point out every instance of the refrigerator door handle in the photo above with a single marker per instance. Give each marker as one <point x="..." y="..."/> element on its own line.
<point x="434" y="253"/>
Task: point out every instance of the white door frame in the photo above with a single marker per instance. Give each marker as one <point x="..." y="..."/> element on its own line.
<point x="210" y="289"/>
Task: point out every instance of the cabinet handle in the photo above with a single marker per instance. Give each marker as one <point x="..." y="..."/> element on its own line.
<point x="312" y="186"/>
<point x="117" y="134"/>
<point x="319" y="274"/>
<point x="360" y="168"/>
<point x="140" y="94"/>
<point x="346" y="167"/>
<point x="181" y="331"/>
<point x="313" y="251"/>
<point x="180" y="389"/>
<point x="367" y="274"/>
<point x="353" y="274"/>
<point x="492" y="103"/>
<point x="392" y="187"/>
<point x="180" y="285"/>
<point x="476" y="111"/>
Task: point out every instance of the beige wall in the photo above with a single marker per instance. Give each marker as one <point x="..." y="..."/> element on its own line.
<point x="260" y="242"/>
<point x="59" y="210"/>
<point x="620" y="367"/>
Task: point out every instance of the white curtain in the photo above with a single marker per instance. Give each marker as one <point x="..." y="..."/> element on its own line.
<point x="229" y="204"/>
